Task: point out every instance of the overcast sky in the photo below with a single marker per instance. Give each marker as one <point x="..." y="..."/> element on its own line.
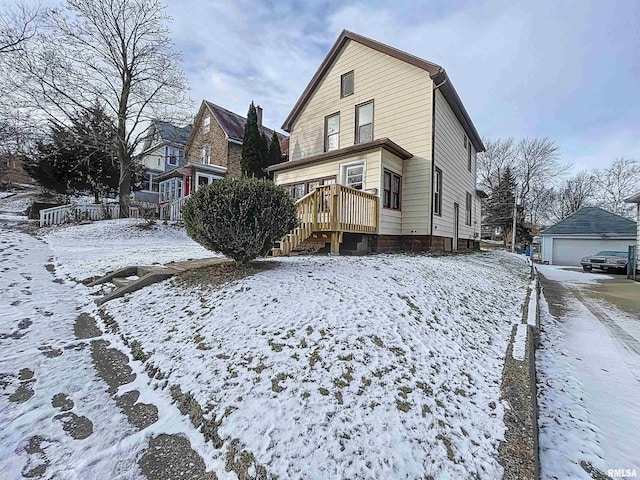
<point x="569" y="70"/>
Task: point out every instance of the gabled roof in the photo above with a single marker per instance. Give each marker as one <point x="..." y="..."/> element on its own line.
<point x="436" y="72"/>
<point x="166" y="133"/>
<point x="233" y="124"/>
<point x="592" y="221"/>
<point x="634" y="199"/>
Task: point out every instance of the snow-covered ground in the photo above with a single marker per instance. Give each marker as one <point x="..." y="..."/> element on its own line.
<point x="58" y="421"/>
<point x="96" y="248"/>
<point x="588" y="379"/>
<point x="385" y="366"/>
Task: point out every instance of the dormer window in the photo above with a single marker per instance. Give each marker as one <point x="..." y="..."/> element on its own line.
<point x="346" y="84"/>
<point x="206" y="124"/>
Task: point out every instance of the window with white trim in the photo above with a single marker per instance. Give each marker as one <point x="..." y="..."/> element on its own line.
<point x="364" y="122"/>
<point x="353" y="175"/>
<point x="172" y="156"/>
<point x="332" y="132"/>
<point x="206" y="124"/>
<point x="205" y="154"/>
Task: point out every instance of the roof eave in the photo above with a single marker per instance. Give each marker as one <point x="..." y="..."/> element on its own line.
<point x="385" y="143"/>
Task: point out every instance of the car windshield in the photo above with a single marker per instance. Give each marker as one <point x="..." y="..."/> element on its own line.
<point x="607" y="253"/>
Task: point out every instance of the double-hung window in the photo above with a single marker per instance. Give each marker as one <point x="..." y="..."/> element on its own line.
<point x="437" y="192"/>
<point x="364" y="122"/>
<point x="353" y="176"/>
<point x="205" y="154"/>
<point x="332" y="132"/>
<point x="392" y="191"/>
<point x="469" y="156"/>
<point x="468" y="210"/>
<point x="172" y="156"/>
<point x="206" y="124"/>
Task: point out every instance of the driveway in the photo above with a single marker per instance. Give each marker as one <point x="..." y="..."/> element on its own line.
<point x="588" y="373"/>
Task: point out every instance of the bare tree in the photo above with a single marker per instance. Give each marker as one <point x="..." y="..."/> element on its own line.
<point x="614" y="184"/>
<point x="499" y="155"/>
<point x="114" y="52"/>
<point x="538" y="166"/>
<point x="573" y="194"/>
<point x="17" y="25"/>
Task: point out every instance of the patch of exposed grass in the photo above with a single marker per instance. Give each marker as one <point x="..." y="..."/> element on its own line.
<point x="221" y="273"/>
<point x="451" y="455"/>
<point x="403" y="406"/>
<point x="275" y="382"/>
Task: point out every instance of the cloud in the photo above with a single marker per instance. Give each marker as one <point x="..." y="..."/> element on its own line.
<point x="567" y="70"/>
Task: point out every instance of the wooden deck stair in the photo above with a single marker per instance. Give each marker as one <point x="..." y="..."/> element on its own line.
<point x="328" y="212"/>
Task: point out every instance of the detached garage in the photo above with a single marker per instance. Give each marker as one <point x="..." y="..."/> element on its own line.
<point x="588" y="231"/>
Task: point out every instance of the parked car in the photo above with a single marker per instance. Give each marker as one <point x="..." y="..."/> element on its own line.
<point x="605" y="260"/>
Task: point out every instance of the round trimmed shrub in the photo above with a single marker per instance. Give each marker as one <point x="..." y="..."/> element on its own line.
<point x="240" y="218"/>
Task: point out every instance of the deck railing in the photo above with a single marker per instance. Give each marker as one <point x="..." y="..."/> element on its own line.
<point x="332" y="208"/>
<point x="173" y="211"/>
<point x="71" y="213"/>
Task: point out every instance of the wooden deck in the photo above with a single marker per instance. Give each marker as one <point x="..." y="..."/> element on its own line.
<point x="335" y="209"/>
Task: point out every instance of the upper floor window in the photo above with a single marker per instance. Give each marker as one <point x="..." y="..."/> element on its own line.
<point x="205" y="154"/>
<point x="437" y="192"/>
<point x="346" y="84"/>
<point x="467" y="219"/>
<point x="391" y="191"/>
<point x="469" y="156"/>
<point x="206" y="124"/>
<point x="332" y="132"/>
<point x="364" y="122"/>
<point x="172" y="156"/>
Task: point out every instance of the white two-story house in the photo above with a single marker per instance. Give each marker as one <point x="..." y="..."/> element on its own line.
<point x="381" y="145"/>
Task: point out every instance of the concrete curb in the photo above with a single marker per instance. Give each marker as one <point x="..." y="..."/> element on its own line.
<point x="518" y="454"/>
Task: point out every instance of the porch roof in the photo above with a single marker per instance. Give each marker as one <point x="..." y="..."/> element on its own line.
<point x="360" y="147"/>
<point x="190" y="168"/>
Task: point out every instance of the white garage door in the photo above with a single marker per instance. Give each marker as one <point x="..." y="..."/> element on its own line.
<point x="569" y="251"/>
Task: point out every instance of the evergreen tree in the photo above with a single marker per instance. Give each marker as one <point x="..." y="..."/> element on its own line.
<point x="275" y="153"/>
<point x="264" y="152"/>
<point x="252" y="159"/>
<point x="79" y="158"/>
<point x="499" y="212"/>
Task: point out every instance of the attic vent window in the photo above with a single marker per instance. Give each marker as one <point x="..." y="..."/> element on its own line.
<point x="346" y="84"/>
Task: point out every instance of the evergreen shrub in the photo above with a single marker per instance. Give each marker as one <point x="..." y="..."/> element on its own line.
<point x="240" y="218"/>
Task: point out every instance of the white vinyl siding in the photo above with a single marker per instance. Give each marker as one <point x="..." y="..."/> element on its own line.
<point x="333" y="168"/>
<point x="391" y="220"/>
<point x="402" y="112"/>
<point x="451" y="156"/>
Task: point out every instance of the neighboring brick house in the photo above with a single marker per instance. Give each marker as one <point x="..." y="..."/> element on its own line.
<point x="382" y="148"/>
<point x="212" y="151"/>
<point x="217" y="137"/>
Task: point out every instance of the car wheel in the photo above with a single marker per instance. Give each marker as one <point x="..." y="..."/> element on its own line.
<point x="586" y="268"/>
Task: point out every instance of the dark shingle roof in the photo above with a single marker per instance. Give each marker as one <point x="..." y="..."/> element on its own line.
<point x="592" y="221"/>
<point x="233" y="124"/>
<point x="171" y="133"/>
